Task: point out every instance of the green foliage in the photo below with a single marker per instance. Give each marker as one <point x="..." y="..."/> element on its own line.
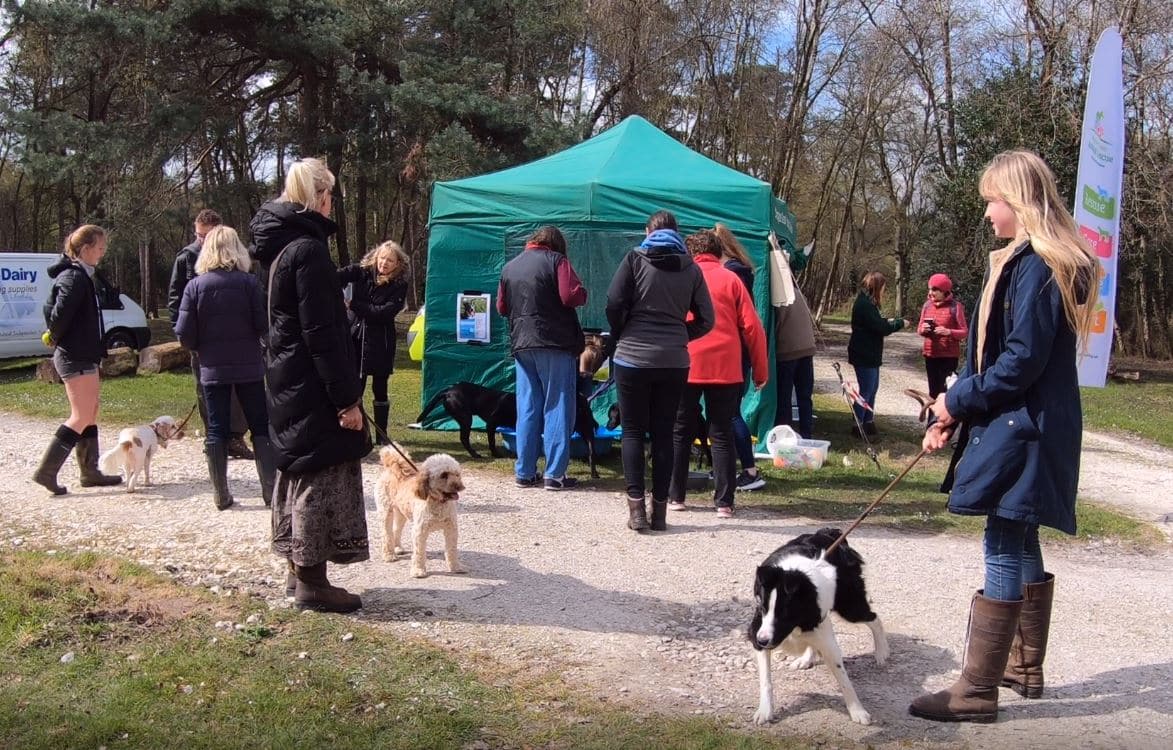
<point x="1011" y="109"/>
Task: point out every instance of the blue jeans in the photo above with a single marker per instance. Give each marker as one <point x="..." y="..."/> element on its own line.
<point x="546" y="380"/>
<point x="1013" y="557"/>
<point x="868" y="380"/>
<point x="252" y="402"/>
<point x="796" y="377"/>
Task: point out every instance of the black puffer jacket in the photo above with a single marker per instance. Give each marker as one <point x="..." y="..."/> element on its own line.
<point x="72" y="314"/>
<point x="311" y="364"/>
<point x="181" y="275"/>
<point x="372" y="317"/>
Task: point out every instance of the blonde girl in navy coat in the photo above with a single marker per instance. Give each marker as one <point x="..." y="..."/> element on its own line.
<point x="1016" y="413"/>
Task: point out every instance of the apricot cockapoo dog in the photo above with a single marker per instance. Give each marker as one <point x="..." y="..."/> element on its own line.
<point x="427" y="496"/>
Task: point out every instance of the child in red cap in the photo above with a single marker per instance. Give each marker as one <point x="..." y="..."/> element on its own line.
<point x="942" y="323"/>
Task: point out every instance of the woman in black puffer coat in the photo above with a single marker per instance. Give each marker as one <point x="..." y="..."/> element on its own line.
<point x="74" y="320"/>
<point x="316" y="425"/>
<point x="380" y="282"/>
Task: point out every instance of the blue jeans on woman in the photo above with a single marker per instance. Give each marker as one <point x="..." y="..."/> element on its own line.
<point x="252" y="402"/>
<point x="546" y="382"/>
<point x="868" y="380"/>
<point x="1013" y="557"/>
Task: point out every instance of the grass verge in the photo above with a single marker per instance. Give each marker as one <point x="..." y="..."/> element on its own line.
<point x="98" y="652"/>
<point x="837" y="492"/>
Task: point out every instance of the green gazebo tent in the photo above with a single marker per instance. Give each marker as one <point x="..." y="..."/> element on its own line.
<point x="600" y="194"/>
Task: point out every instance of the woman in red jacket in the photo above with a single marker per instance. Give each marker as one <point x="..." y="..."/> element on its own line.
<point x="942" y="323"/>
<point x="715" y="373"/>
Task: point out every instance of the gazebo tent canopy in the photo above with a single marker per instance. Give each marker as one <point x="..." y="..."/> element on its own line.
<point x="599" y="194"/>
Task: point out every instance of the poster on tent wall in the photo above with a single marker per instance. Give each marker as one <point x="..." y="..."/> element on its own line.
<point x="472" y="317"/>
<point x="1098" y="193"/>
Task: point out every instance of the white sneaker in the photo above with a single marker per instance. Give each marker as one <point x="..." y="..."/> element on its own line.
<point x="674" y="505"/>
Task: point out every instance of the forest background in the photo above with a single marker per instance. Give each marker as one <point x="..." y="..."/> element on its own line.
<point x="871" y="118"/>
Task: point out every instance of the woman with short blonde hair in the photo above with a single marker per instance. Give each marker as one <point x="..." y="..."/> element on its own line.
<point x="222" y="250"/>
<point x="222" y="319"/>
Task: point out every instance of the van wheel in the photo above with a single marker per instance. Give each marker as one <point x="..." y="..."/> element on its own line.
<point x="118" y="338"/>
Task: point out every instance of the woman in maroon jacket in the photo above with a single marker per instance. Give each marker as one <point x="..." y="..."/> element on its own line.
<point x="942" y="323"/>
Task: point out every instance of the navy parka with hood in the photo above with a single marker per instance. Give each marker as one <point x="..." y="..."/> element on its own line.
<point x="1017" y="455"/>
<point x="312" y="374"/>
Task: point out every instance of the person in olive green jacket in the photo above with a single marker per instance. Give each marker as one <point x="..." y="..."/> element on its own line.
<point x="865" y="348"/>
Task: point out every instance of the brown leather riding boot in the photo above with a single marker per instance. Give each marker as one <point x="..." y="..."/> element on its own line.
<point x="637" y="514"/>
<point x="974" y="697"/>
<point x="1024" y="671"/>
<point x="315" y="592"/>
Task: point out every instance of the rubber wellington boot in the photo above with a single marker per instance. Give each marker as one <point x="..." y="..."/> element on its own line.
<point x="1024" y="671"/>
<point x="57" y="451"/>
<point x="87" y="461"/>
<point x="382" y="411"/>
<point x="637" y="515"/>
<point x="659" y="515"/>
<point x="974" y="697"/>
<point x="217" y="454"/>
<point x="315" y="592"/>
<point x="266" y="462"/>
<point x="291" y="581"/>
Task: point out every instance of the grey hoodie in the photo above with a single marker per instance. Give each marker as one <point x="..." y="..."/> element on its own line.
<point x="652" y="292"/>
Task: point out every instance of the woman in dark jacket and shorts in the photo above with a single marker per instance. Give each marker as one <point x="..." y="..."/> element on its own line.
<point x="222" y="319"/>
<point x="317" y="427"/>
<point x="74" y="320"/>
<point x="380" y="282"/>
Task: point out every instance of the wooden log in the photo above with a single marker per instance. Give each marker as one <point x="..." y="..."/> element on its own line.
<point x="120" y="361"/>
<point x="164" y="358"/>
<point x="46" y="372"/>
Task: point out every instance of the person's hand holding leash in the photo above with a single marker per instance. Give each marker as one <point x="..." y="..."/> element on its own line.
<point x="941" y="412"/>
<point x="351" y="418"/>
<point x="936" y="437"/>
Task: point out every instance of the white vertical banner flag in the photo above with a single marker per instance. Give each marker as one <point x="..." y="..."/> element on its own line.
<point x="1098" y="192"/>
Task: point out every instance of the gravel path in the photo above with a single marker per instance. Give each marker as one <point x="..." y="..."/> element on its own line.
<point x="656" y="622"/>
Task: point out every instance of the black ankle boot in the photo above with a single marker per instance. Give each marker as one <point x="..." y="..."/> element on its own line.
<point x="55" y="454"/>
<point x="637" y="514"/>
<point x="659" y="515"/>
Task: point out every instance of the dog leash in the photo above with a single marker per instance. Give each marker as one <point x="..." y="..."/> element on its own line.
<point x="186" y="419"/>
<point x="867" y="511"/>
<point x="380" y="432"/>
<point x="849" y="398"/>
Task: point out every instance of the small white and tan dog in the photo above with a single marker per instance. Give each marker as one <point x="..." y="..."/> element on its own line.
<point x="426" y="495"/>
<point x="136" y="446"/>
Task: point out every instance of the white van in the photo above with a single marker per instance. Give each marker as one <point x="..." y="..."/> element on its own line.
<point x="24" y="289"/>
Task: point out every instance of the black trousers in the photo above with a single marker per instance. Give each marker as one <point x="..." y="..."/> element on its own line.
<point x="721" y="404"/>
<point x="939" y="368"/>
<point x="648" y="400"/>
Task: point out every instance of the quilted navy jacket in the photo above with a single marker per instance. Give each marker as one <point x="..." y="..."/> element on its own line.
<point x="221" y="317"/>
<point x="1017" y="455"/>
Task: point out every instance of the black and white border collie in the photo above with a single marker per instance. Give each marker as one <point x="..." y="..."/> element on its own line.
<point x="795" y="590"/>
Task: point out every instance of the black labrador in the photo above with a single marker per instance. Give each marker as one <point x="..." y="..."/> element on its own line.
<point x="464" y="400"/>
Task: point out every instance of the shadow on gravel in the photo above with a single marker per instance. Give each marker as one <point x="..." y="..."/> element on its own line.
<point x="1146" y="686"/>
<point x="504" y="593"/>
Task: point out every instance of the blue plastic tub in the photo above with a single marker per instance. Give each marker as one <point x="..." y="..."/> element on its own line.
<point x="604" y="439"/>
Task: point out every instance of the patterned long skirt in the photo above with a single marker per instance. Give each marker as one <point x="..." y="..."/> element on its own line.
<point x="321" y="516"/>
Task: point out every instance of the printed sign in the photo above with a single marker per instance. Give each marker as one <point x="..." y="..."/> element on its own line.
<point x="472" y="317"/>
